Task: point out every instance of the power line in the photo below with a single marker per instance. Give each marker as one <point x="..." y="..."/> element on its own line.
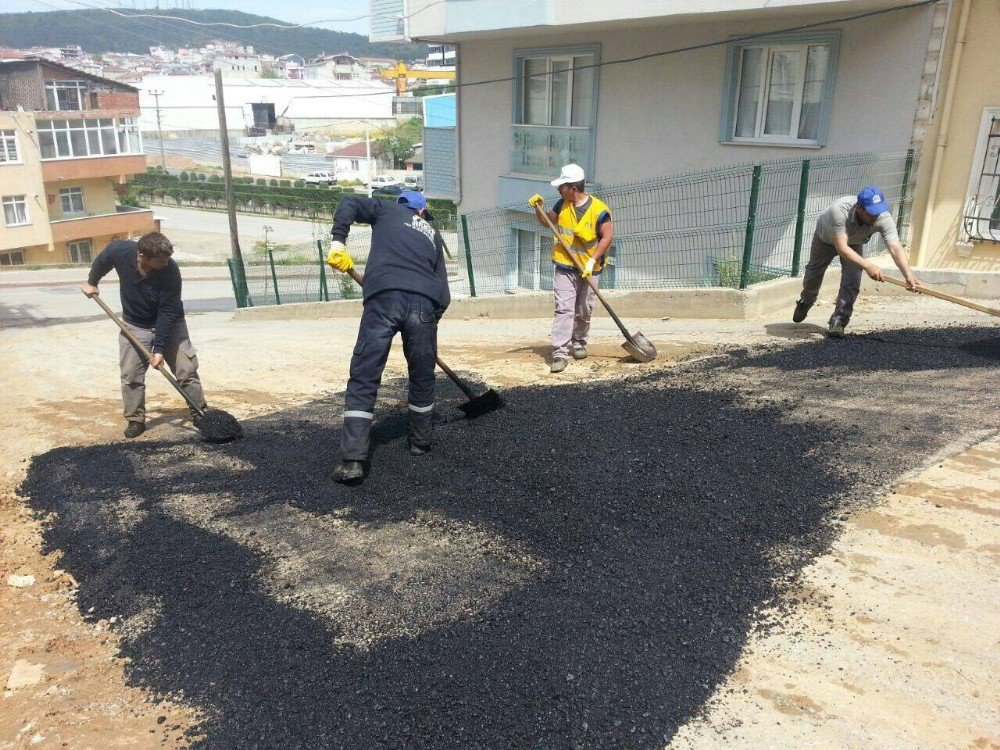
<point x="275" y="25"/>
<point x="662" y="53"/>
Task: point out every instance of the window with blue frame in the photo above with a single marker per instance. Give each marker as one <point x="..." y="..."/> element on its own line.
<point x="555" y="109"/>
<point x="779" y="90"/>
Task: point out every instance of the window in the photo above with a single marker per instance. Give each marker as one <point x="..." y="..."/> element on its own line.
<point x="81" y="251"/>
<point x="534" y="259"/>
<point x="12" y="258"/>
<point x="15" y="210"/>
<point x="71" y="200"/>
<point x="355" y="165"/>
<point x="982" y="207"/>
<point x="8" y="147"/>
<point x="104" y="136"/>
<point x="65" y="95"/>
<point x="555" y="109"/>
<point x="779" y="90"/>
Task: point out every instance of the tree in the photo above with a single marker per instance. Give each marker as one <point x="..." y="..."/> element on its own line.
<point x="269" y="73"/>
<point x="398" y="144"/>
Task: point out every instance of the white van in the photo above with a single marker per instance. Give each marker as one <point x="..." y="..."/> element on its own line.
<point x="382" y="181"/>
<point x="320" y="178"/>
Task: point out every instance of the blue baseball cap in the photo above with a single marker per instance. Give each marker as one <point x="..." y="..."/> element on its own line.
<point x="872" y="200"/>
<point x="416" y="201"/>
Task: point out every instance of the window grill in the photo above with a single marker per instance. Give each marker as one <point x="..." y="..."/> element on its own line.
<point x="982" y="212"/>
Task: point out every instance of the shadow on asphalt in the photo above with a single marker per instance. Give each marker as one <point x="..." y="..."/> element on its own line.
<point x="582" y="570"/>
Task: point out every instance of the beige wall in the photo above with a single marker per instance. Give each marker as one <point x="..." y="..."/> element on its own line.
<point x="98" y="196"/>
<point x="661" y="116"/>
<point x="24" y="178"/>
<point x="937" y="233"/>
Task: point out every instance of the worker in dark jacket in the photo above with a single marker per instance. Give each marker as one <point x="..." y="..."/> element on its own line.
<point x="405" y="291"/>
<point x="150" y="286"/>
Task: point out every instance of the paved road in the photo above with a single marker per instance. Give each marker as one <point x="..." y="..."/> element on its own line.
<point x="50" y="297"/>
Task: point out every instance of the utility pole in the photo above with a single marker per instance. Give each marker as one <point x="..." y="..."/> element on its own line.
<point x="227" y="170"/>
<point x="159" y="128"/>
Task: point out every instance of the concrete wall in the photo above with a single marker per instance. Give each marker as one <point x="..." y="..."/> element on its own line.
<point x="661" y="116"/>
<point x="24" y="178"/>
<point x="937" y="227"/>
<point x="98" y="196"/>
<point x="439" y="163"/>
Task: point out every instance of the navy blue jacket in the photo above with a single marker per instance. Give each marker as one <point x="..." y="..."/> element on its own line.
<point x="407" y="253"/>
<point x="150" y="301"/>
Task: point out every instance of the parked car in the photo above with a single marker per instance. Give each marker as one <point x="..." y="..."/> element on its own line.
<point x="413" y="182"/>
<point x="320" y="178"/>
<point x="382" y="181"/>
<point x="388" y="191"/>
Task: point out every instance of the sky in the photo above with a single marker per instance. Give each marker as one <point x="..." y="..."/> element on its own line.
<point x="292" y="11"/>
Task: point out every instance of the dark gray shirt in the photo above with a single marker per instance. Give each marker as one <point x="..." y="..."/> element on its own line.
<point x="841" y="218"/>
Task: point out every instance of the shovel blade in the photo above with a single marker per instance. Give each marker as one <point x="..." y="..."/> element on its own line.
<point x="480" y="405"/>
<point x="641" y="348"/>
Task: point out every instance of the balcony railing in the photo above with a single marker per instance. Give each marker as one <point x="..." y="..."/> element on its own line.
<point x="543" y="150"/>
<point x="123" y="220"/>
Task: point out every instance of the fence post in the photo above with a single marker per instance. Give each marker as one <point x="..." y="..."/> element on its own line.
<point x="274" y="276"/>
<point x="751" y="224"/>
<point x="902" y="193"/>
<point x="240" y="302"/>
<point x="800" y="218"/>
<point x="324" y="292"/>
<point x="468" y="256"/>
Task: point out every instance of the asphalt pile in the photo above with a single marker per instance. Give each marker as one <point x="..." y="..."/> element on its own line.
<point x="219" y="426"/>
<point x="654" y="522"/>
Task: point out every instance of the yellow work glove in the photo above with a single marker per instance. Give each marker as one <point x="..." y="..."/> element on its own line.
<point x="588" y="269"/>
<point x="339" y="259"/>
<point x="536" y="200"/>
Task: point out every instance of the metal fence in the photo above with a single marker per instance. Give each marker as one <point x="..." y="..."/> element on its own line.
<point x="283" y="274"/>
<point x="732" y="226"/>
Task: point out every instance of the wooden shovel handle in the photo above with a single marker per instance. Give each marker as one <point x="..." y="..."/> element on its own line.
<point x="579" y="267"/>
<point x="948" y="297"/>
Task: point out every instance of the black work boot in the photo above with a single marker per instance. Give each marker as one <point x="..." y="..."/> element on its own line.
<point x="836" y="330"/>
<point x="135" y="429"/>
<point x="349" y="472"/>
<point x="801" y="311"/>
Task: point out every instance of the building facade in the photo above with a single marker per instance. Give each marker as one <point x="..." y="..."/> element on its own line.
<point x="68" y="142"/>
<point x="640" y="89"/>
<point x="956" y="214"/>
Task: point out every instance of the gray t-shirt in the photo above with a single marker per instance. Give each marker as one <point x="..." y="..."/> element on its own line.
<point x="840" y="218"/>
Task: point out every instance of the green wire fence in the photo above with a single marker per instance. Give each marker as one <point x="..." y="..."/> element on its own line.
<point x="733" y="226"/>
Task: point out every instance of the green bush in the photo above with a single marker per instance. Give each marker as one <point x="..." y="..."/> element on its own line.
<point x="273" y="182"/>
<point x="184" y="177"/>
<point x="262" y="182"/>
<point x="286" y="183"/>
<point x="300" y="183"/>
<point x="215" y="178"/>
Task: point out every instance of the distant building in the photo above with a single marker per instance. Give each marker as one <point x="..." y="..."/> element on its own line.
<point x="353" y="162"/>
<point x="68" y="141"/>
<point x="339" y="67"/>
<point x="187" y="104"/>
<point x="238" y="65"/>
<point x="291" y="66"/>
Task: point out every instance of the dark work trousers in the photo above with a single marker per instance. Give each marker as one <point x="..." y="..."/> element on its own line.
<point x="820" y="256"/>
<point x="415" y="317"/>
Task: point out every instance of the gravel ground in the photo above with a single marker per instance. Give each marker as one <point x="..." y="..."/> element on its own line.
<point x="585" y="576"/>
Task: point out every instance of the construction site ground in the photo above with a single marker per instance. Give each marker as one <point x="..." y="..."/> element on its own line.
<point x="764" y="538"/>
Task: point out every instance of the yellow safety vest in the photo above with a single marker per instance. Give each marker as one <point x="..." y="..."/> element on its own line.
<point x="582" y="234"/>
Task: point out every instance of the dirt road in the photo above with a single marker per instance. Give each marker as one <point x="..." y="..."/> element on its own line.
<point x="882" y="632"/>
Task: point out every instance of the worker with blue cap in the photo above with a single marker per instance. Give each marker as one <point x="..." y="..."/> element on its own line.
<point x="843" y="229"/>
<point x="405" y="291"/>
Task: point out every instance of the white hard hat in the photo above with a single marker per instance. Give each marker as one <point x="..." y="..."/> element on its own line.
<point x="570" y="173"/>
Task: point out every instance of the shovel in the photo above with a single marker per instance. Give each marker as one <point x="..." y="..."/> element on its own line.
<point x="216" y="425"/>
<point x="641" y="348"/>
<point x="949" y="297"/>
<point x="476" y="406"/>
